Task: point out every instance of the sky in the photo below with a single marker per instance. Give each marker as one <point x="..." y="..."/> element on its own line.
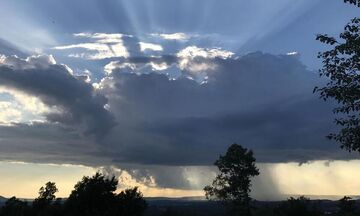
<point x="153" y="91"/>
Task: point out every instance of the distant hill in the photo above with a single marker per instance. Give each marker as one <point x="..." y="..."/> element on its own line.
<point x="2" y="200"/>
<point x="190" y="198"/>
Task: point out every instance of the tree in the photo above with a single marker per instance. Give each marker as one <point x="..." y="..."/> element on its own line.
<point x="92" y="196"/>
<point x="232" y="184"/>
<point x="341" y="66"/>
<point x="297" y="207"/>
<point x="354" y="2"/>
<point x="14" y="207"/>
<point x="43" y="204"/>
<point x="95" y="196"/>
<point x="346" y="207"/>
<point x="46" y="195"/>
<point x="131" y="202"/>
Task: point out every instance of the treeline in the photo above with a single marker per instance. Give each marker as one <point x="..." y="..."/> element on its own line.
<point x="303" y="206"/>
<point x="92" y="196"/>
<point x="300" y="206"/>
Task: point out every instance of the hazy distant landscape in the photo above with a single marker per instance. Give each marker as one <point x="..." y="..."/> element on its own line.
<point x="200" y="207"/>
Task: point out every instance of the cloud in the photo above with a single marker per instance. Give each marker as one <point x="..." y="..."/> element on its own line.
<point x="198" y="62"/>
<point x="261" y="101"/>
<point x="150" y="46"/>
<point x="26" y="107"/>
<point x="98" y="46"/>
<point x="179" y="36"/>
<point x="74" y="101"/>
<point x="9" y="113"/>
<point x="194" y="51"/>
<point x="103" y="46"/>
<point x="140" y="65"/>
<point x="103" y="37"/>
<point x="193" y="62"/>
<point x="292" y="53"/>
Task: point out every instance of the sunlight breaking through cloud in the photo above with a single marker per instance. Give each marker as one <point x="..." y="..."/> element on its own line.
<point x="104" y="46"/>
<point x="180" y="36"/>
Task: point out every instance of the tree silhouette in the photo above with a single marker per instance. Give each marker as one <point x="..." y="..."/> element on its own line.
<point x="297" y="207"/>
<point x="354" y="2"/>
<point x="92" y="196"/>
<point x="341" y="66"/>
<point x="131" y="202"/>
<point x="346" y="207"/>
<point x="43" y="205"/>
<point x="232" y="185"/>
<point x="46" y="195"/>
<point x="95" y="196"/>
<point x="15" y="207"/>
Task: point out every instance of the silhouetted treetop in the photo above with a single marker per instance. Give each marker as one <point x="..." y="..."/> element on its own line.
<point x="92" y="196"/>
<point x="131" y="202"/>
<point x="95" y="196"/>
<point x="46" y="196"/>
<point x="48" y="192"/>
<point x="297" y="207"/>
<point x="233" y="183"/>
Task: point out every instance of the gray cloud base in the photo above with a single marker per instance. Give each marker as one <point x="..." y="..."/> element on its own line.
<point x="261" y="101"/>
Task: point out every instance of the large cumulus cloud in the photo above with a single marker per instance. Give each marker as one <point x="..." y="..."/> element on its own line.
<point x="262" y="101"/>
<point x="75" y="101"/>
<point x="153" y="122"/>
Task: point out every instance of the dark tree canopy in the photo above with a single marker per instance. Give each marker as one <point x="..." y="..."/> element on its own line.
<point x="46" y="203"/>
<point x="92" y="196"/>
<point x="297" y="207"/>
<point x="346" y="206"/>
<point x="47" y="193"/>
<point x="43" y="205"/>
<point x="354" y="2"/>
<point x="233" y="183"/>
<point x="341" y="66"/>
<point x="14" y="207"/>
<point x="131" y="202"/>
<point x="95" y="196"/>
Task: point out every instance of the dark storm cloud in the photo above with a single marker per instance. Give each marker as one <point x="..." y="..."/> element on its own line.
<point x="47" y="143"/>
<point x="262" y="101"/>
<point x="76" y="100"/>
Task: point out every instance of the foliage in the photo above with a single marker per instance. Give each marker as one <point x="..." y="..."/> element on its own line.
<point x="232" y="185"/>
<point x="92" y="196"/>
<point x="297" y="207"/>
<point x="131" y="202"/>
<point x="95" y="196"/>
<point x="341" y="66"/>
<point x="15" y="207"/>
<point x="46" y="204"/>
<point x="346" y="207"/>
<point x="354" y="2"/>
<point x="46" y="195"/>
